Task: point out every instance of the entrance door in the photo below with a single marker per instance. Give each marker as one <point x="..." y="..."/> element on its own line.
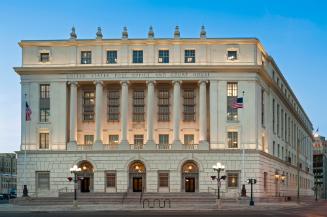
<point x="85" y="184"/>
<point x="189" y="184"/>
<point x="137" y="184"/>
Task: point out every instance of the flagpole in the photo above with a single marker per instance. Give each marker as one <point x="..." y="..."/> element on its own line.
<point x="25" y="191"/>
<point x="243" y="191"/>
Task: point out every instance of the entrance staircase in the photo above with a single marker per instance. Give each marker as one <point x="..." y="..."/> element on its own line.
<point x="137" y="200"/>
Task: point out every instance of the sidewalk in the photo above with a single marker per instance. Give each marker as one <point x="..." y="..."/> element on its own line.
<point x="110" y="207"/>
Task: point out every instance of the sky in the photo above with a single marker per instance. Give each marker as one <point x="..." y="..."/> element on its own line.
<point x="294" y="33"/>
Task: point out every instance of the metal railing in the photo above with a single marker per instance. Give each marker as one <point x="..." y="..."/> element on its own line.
<point x="110" y="146"/>
<point x="163" y="146"/>
<point x="162" y="203"/>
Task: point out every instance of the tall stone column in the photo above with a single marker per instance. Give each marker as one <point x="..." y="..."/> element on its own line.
<point x="124" y="114"/>
<point x="203" y="114"/>
<point x="149" y="115"/>
<point x="176" y="114"/>
<point x="72" y="145"/>
<point x="213" y="114"/>
<point x="98" y="145"/>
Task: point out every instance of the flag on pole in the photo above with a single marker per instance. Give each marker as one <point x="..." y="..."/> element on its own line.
<point x="237" y="103"/>
<point x="28" y="112"/>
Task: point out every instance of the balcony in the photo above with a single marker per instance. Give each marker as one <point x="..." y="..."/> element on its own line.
<point x="110" y="146"/>
<point x="82" y="147"/>
<point x="190" y="146"/>
<point x="163" y="146"/>
<point x="136" y="146"/>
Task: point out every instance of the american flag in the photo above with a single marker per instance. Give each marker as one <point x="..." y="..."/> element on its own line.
<point x="237" y="103"/>
<point x="28" y="112"/>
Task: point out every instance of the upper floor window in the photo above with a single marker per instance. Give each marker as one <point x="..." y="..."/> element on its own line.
<point x="44" y="102"/>
<point x="113" y="105"/>
<point x="163" y="139"/>
<point x="44" y="57"/>
<point x="86" y="57"/>
<point x="163" y="56"/>
<point x="88" y="105"/>
<point x="273" y="116"/>
<point x="138" y="105"/>
<point x="232" y="139"/>
<point x="232" y="55"/>
<point x="88" y="139"/>
<point x="232" y="89"/>
<point x="189" y="56"/>
<point x="44" y="91"/>
<point x="262" y="107"/>
<point x="163" y="104"/>
<point x="44" y="141"/>
<point x="112" y="56"/>
<point x="137" y="56"/>
<point x="188" y="139"/>
<point x="113" y="139"/>
<point x="138" y="140"/>
<point x="189" y="105"/>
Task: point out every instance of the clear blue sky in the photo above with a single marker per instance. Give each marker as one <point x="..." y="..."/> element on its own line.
<point x="293" y="32"/>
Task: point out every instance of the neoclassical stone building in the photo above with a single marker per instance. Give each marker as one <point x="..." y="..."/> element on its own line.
<point x="154" y="115"/>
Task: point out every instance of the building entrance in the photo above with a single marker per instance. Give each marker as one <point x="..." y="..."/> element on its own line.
<point x="85" y="184"/>
<point x="190" y="177"/>
<point x="137" y="184"/>
<point x="189" y="184"/>
<point x="137" y="177"/>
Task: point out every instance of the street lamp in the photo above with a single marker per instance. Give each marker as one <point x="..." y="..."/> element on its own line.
<point x="75" y="169"/>
<point x="219" y="168"/>
<point x="252" y="181"/>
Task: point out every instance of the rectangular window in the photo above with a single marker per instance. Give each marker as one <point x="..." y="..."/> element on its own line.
<point x="138" y="140"/>
<point x="163" y="105"/>
<point x="265" y="181"/>
<point x="44" y="102"/>
<point x="189" y="56"/>
<point x="88" y="139"/>
<point x="189" y="105"/>
<point x="137" y="56"/>
<point x="285" y="119"/>
<point x="113" y="139"/>
<point x="113" y="105"/>
<point x="163" y="139"/>
<point x="86" y="57"/>
<point x="163" y="179"/>
<point x="43" y="180"/>
<point x="232" y="180"/>
<point x="163" y="56"/>
<point x="232" y="139"/>
<point x="111" y="56"/>
<point x="274" y="148"/>
<point x="273" y="116"/>
<point x="188" y="139"/>
<point x="232" y="55"/>
<point x="111" y="179"/>
<point x="88" y="105"/>
<point x="44" y="141"/>
<point x="282" y="124"/>
<point x="138" y="105"/>
<point x="232" y="89"/>
<point x="263" y="108"/>
<point x="278" y="150"/>
<point x="44" y="57"/>
<point x="278" y="119"/>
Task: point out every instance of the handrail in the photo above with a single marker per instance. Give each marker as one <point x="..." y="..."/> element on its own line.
<point x="141" y="196"/>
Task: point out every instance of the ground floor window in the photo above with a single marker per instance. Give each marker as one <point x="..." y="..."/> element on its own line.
<point x="163" y="178"/>
<point x="43" y="180"/>
<point x="111" y="179"/>
<point x="232" y="179"/>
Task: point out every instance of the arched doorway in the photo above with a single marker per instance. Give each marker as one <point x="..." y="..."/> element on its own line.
<point x="85" y="176"/>
<point x="137" y="177"/>
<point x="190" y="177"/>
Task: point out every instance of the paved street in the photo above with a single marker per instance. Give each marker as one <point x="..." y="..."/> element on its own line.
<point x="318" y="209"/>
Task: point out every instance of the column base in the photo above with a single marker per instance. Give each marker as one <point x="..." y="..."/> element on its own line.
<point x="98" y="145"/>
<point x="177" y="145"/>
<point x="124" y="145"/>
<point x="150" y="145"/>
<point x="72" y="146"/>
<point x="203" y="145"/>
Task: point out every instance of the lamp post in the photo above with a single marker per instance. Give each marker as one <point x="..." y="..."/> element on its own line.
<point x="75" y="169"/>
<point x="218" y="168"/>
<point x="252" y="181"/>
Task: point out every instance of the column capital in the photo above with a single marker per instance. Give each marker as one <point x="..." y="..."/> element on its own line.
<point x="176" y="82"/>
<point x="124" y="83"/>
<point x="151" y="82"/>
<point x="98" y="82"/>
<point x="75" y="83"/>
<point x="202" y="82"/>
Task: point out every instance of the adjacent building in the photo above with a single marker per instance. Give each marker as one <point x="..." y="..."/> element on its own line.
<point x="155" y="114"/>
<point x="8" y="173"/>
<point x="320" y="166"/>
